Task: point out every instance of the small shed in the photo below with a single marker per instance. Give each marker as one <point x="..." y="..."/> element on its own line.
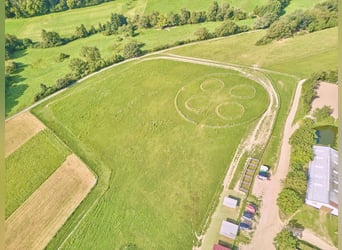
<point x="230" y="202"/>
<point x="229" y="229"/>
<point x="219" y="247"/>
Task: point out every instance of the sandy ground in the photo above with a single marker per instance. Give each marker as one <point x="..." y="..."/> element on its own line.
<point x="19" y="130"/>
<point x="327" y="94"/>
<point x="309" y="236"/>
<point x="38" y="219"/>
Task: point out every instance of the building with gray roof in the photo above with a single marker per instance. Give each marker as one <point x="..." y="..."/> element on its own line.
<point x="322" y="188"/>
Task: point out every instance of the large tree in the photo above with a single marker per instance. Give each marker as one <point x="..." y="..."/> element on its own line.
<point x="289" y="201"/>
<point x="50" y="39"/>
<point x="132" y="49"/>
<point x="285" y="240"/>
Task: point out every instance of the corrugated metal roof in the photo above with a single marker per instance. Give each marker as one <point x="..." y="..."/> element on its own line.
<point x="323" y="176"/>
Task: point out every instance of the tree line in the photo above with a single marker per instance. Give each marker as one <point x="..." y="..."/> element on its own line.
<point x="292" y="196"/>
<point x="322" y="16"/>
<point x="30" y="8"/>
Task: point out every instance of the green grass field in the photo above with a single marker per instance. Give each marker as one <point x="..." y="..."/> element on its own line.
<point x="285" y="87"/>
<point x="157" y="159"/>
<point x="41" y="66"/>
<point x="300" y="56"/>
<point x="29" y="166"/>
<point x="65" y="22"/>
<point x="301" y="4"/>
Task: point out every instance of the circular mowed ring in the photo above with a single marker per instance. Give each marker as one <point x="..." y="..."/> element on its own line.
<point x="243" y="91"/>
<point x="197" y="103"/>
<point x="212" y="85"/>
<point x="230" y="111"/>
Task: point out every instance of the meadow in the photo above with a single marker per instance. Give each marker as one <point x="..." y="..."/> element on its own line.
<point x="66" y="22"/>
<point x="299" y="56"/>
<point x="30" y="165"/>
<point x="154" y="158"/>
<point x="38" y="66"/>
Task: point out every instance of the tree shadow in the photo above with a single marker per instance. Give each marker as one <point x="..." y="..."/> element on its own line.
<point x="12" y="95"/>
<point x="14" y="88"/>
<point x="18" y="54"/>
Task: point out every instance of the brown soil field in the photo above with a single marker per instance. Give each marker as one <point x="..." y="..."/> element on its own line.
<point x="38" y="219"/>
<point x="327" y="94"/>
<point x="19" y="130"/>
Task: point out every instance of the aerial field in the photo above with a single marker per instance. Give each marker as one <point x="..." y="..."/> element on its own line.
<point x="19" y="130"/>
<point x="157" y="158"/>
<point x="42" y="66"/>
<point x="37" y="220"/>
<point x="30" y="165"/>
<point x="299" y="56"/>
<point x="65" y="22"/>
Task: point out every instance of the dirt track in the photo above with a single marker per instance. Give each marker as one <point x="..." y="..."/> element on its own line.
<point x="38" y="219"/>
<point x="19" y="130"/>
<point x="270" y="224"/>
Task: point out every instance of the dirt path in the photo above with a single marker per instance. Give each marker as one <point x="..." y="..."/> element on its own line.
<point x="256" y="138"/>
<point x="270" y="223"/>
<point x="19" y="130"/>
<point x="38" y="219"/>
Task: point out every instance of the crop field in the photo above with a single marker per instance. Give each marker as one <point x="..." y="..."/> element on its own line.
<point x="299" y="56"/>
<point x="38" y="219"/>
<point x="166" y="135"/>
<point x="16" y="136"/>
<point x="29" y="166"/>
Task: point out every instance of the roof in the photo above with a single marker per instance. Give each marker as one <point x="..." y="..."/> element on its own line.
<point x="219" y="247"/>
<point x="323" y="176"/>
<point x="229" y="229"/>
<point x="230" y="202"/>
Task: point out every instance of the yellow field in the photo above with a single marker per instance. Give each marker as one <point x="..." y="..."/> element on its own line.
<point x="19" y="130"/>
<point x="38" y="219"/>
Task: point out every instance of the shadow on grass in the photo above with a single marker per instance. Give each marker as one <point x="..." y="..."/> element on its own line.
<point x="15" y="88"/>
<point x="18" y="54"/>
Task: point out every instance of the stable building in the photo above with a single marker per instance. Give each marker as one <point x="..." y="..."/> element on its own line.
<point x="322" y="187"/>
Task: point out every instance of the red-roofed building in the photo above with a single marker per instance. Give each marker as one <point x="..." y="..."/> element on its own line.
<point x="219" y="247"/>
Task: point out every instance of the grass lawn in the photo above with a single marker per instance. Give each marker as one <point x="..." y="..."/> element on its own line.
<point x="65" y="22"/>
<point x="155" y="159"/>
<point x="300" y="56"/>
<point x="29" y="166"/>
<point x="301" y="4"/>
<point x="41" y="66"/>
<point x="324" y="225"/>
<point x="285" y="87"/>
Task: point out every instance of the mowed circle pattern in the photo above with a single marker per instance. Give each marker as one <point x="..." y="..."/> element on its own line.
<point x="221" y="101"/>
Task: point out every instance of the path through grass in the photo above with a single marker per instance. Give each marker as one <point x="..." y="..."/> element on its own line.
<point x="157" y="159"/>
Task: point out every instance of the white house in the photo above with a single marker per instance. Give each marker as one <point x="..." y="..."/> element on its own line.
<point x="322" y="188"/>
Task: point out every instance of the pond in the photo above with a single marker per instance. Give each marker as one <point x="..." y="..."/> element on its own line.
<point x="326" y="135"/>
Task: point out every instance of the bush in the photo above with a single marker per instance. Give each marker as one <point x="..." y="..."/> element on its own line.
<point x="284" y="240"/>
<point x="132" y="49"/>
<point x="289" y="201"/>
<point x="64" y="82"/>
<point x="62" y="57"/>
